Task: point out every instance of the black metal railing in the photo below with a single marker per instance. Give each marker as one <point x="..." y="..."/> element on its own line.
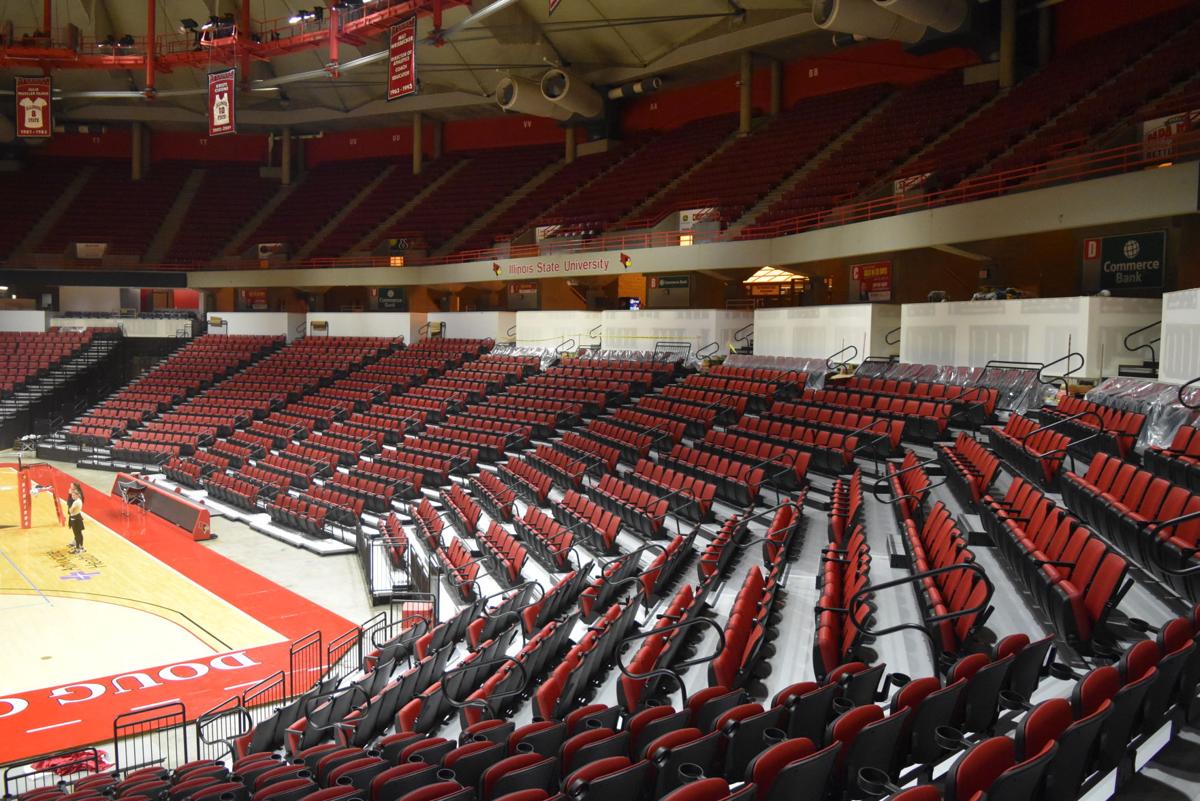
<point x="566" y="346"/>
<point x="674" y="672"/>
<point x="709" y="350"/>
<point x="1148" y="345"/>
<point x="830" y="364"/>
<point x="1182" y="387"/>
<point x="1053" y="380"/>
<point x="148" y="737"/>
<point x="744" y="334"/>
<point x="887" y="338"/>
<point x="1074" y="443"/>
<point x="884" y="483"/>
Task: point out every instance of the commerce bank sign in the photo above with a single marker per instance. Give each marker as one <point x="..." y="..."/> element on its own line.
<point x="1129" y="261"/>
<point x="549" y="266"/>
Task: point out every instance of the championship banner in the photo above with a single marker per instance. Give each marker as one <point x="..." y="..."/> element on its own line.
<point x="33" y="108"/>
<point x="221" y="102"/>
<point x="1157" y="134"/>
<point x="402" y="59"/>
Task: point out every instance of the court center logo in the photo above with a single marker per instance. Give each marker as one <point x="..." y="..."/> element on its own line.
<point x="69" y="562"/>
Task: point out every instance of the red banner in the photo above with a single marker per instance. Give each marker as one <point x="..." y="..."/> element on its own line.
<point x="33" y="108"/>
<point x="554" y="5"/>
<point x="402" y="59"/>
<point x="222" y="102"/>
<point x="874" y="280"/>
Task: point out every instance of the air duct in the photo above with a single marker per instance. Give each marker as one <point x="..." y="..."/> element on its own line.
<point x="864" y="18"/>
<point x="524" y="97"/>
<point x="572" y="93"/>
<point x="946" y="16"/>
<point x="636" y="88"/>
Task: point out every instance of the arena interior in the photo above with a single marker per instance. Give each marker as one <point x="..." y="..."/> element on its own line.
<point x="574" y="400"/>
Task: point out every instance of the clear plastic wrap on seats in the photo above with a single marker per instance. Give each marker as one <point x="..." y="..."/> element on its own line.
<point x="1158" y="401"/>
<point x="815" y="369"/>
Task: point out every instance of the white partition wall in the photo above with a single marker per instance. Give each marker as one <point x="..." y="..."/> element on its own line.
<point x="1036" y="330"/>
<point x="476" y="325"/>
<point x="820" y="331"/>
<point x="1180" y="359"/>
<point x="640" y="330"/>
<point x="23" y="320"/>
<point x="89" y="299"/>
<point x="548" y="329"/>
<point x="259" y="323"/>
<point x="371" y="324"/>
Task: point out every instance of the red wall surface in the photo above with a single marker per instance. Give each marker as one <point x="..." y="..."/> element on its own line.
<point x="1077" y="20"/>
<point x="187" y="146"/>
<point x="116" y="143"/>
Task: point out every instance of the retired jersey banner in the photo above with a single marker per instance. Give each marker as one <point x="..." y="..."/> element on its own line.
<point x="402" y="59"/>
<point x="221" y="102"/>
<point x="33" y="108"/>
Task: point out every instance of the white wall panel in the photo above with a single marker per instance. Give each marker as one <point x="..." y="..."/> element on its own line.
<point x="819" y="331"/>
<point x="476" y="325"/>
<point x="372" y="324"/>
<point x="1180" y="360"/>
<point x="548" y="329"/>
<point x="22" y="320"/>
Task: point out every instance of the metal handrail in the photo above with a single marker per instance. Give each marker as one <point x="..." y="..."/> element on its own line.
<point x="858" y="600"/>
<point x="244" y="717"/>
<point x="674" y="674"/>
<point x="881" y="483"/>
<point x="1065" y="450"/>
<point x="711" y="349"/>
<point x="1063" y="378"/>
<point x="887" y="338"/>
<point x="1149" y="344"/>
<point x="829" y="360"/>
<point x="565" y="346"/>
<point x="1155" y="530"/>
<point x="308" y="708"/>
<point x="744" y="334"/>
<point x="512" y="330"/>
<point x="596" y="334"/>
<point x="1182" y="387"/>
<point x="480" y="703"/>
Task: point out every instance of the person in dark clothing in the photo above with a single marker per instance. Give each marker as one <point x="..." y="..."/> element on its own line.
<point x="75" y="516"/>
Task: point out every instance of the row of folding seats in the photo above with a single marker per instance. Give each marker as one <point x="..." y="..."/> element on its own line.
<point x="180" y="443"/>
<point x="749" y="628"/>
<point x="784" y="467"/>
<point x="504" y="553"/>
<point x="658" y="650"/>
<point x="539" y="419"/>
<point x="434" y="470"/>
<point x="567" y="687"/>
<point x="565" y="470"/>
<point x="687" y="496"/>
<point x="613" y="392"/>
<point x="845" y="507"/>
<point x="183" y="471"/>
<point x="493" y="495"/>
<point x="970" y="467"/>
<point x="758" y="394"/>
<point x="729" y="406"/>
<point x="829" y="451"/>
<point x="464" y="513"/>
<point x="630" y="444"/>
<point x="587" y="450"/>
<point x="737" y="482"/>
<point x="526" y="480"/>
<point x="210" y="462"/>
<point x="299" y="473"/>
<point x="345" y="452"/>
<point x="909" y="485"/>
<point x="1098" y="427"/>
<point x="666" y="567"/>
<point x="91" y="431"/>
<point x="552" y="398"/>
<point x="549" y="542"/>
<point x="376" y="495"/>
<point x="144" y="452"/>
<point x="595" y="527"/>
<point x="844" y="571"/>
<point x="460" y="569"/>
<point x="236" y="455"/>
<point x="389" y="427"/>
<point x="488" y="447"/>
<point x="1034" y="451"/>
<point x="427" y="524"/>
<point x="643" y="512"/>
<point x="665" y="433"/>
<point x="1133" y="509"/>
<point x="298" y="514"/>
<point x="1179" y="461"/>
<point x="955" y="602"/>
<point x="340" y="507"/>
<point x="978" y="403"/>
<point x="1071" y="572"/>
<point x="515" y="433"/>
<point x="696" y="419"/>
<point x="394" y="538"/>
<point x="924" y="421"/>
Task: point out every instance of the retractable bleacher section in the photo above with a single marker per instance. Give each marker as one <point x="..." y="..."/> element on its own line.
<point x="598" y="503"/>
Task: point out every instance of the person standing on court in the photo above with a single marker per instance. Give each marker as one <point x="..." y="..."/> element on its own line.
<point x="75" y="516"/>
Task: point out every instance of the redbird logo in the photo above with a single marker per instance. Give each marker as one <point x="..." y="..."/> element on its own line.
<point x="626" y="262"/>
<point x="496" y="268"/>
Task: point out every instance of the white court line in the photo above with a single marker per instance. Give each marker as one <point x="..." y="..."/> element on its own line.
<point x="243" y="684"/>
<point x="156" y="703"/>
<point x="21" y="573"/>
<point x="53" y="726"/>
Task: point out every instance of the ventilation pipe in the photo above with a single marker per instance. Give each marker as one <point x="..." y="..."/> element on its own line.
<point x="864" y="18"/>
<point x="946" y="16"/>
<point x="572" y="93"/>
<point x="525" y="97"/>
<point x="636" y="88"/>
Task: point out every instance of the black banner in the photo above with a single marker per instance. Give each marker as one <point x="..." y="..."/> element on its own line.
<point x="1129" y="261"/>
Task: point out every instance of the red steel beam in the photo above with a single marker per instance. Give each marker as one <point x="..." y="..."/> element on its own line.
<point x="151" y="46"/>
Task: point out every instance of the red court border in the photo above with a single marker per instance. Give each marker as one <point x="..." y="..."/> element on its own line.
<point x="42" y="721"/>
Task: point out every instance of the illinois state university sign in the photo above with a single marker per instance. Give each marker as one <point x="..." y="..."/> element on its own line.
<point x="575" y="264"/>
